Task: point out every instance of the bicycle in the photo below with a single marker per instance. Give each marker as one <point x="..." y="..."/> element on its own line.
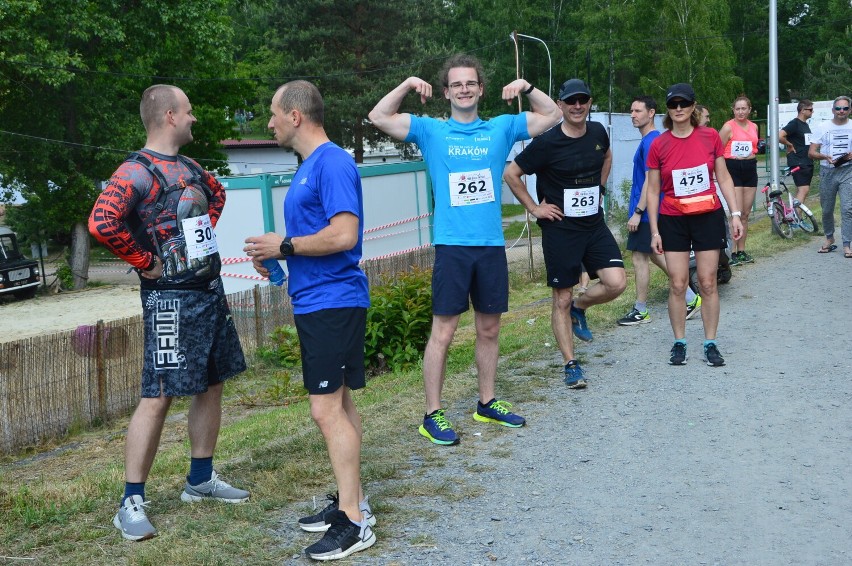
<point x="785" y="218"/>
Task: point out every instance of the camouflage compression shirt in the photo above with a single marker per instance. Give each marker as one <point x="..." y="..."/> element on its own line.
<point x="127" y="221"/>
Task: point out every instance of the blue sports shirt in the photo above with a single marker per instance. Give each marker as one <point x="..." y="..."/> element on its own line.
<point x="640" y="169"/>
<point x="326" y="184"/>
<point x="466" y="163"/>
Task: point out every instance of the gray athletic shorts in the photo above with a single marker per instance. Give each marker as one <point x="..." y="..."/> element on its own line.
<point x="191" y="342"/>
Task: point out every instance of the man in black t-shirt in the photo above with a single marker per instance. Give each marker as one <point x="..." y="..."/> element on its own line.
<point x="572" y="162"/>
<point x="796" y="136"/>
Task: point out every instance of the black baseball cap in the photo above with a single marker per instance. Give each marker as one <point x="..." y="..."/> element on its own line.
<point x="572" y="87"/>
<point x="681" y="90"/>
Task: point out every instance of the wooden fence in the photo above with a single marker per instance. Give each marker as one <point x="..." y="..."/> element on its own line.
<point x="53" y="383"/>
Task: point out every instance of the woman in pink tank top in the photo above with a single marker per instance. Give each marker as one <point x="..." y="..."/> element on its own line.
<point x="740" y="139"/>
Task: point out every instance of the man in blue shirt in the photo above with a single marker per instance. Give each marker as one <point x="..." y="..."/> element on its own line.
<point x="465" y="156"/>
<point x="642" y="112"/>
<point x="324" y="215"/>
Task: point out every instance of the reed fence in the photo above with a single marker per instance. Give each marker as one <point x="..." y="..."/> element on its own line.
<point x="58" y="382"/>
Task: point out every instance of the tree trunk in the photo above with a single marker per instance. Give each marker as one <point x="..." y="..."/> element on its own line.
<point x="80" y="255"/>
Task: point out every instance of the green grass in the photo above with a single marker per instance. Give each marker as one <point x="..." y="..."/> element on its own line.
<point x="512" y="210"/>
<point x="57" y="507"/>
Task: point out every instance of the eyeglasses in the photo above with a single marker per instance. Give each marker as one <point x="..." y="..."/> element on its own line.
<point x="807" y="109"/>
<point x="469" y="84"/>
<point x="581" y="98"/>
<point x="841" y="109"/>
<point x="672" y="104"/>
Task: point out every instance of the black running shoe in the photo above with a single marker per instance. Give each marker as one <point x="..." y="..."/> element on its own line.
<point x="712" y="356"/>
<point x="320" y="522"/>
<point x="678" y="354"/>
<point x="342" y="538"/>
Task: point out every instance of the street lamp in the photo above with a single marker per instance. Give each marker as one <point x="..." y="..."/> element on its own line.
<point x="514" y="37"/>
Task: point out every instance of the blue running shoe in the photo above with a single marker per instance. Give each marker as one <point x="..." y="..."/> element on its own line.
<point x="438" y="429"/>
<point x="498" y="412"/>
<point x="579" y="324"/>
<point x="574" y="377"/>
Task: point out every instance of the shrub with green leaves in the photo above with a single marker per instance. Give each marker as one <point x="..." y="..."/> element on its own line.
<point x="284" y="350"/>
<point x="398" y="323"/>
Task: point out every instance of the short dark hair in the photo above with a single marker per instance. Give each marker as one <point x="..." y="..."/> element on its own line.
<point x="461" y="60"/>
<point x="305" y="97"/>
<point x="156" y="100"/>
<point x="804" y="103"/>
<point x="648" y="101"/>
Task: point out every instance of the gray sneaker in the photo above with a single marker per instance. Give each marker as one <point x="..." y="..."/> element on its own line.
<point x="132" y="521"/>
<point x="215" y="489"/>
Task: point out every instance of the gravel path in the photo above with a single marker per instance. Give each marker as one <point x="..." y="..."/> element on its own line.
<point x="655" y="464"/>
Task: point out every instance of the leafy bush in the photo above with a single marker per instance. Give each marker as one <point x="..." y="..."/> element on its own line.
<point x="398" y="324"/>
<point x="65" y="275"/>
<point x="284" y="351"/>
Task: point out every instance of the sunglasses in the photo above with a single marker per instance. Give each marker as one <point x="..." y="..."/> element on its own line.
<point x="581" y="98"/>
<point x="672" y="104"/>
<point x="841" y="109"/>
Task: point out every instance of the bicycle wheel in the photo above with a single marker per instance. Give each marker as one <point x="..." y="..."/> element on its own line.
<point x="807" y="222"/>
<point x="779" y="223"/>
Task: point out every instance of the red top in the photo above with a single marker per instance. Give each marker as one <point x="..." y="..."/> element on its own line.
<point x="132" y="189"/>
<point x="686" y="165"/>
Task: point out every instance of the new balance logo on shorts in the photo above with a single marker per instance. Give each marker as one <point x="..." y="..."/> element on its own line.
<point x="323" y="384"/>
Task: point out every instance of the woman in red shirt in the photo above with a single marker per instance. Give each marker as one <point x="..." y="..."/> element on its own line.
<point x="681" y="163"/>
<point x="739" y="137"/>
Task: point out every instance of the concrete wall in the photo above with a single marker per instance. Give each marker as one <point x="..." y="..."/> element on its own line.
<point x="397" y="215"/>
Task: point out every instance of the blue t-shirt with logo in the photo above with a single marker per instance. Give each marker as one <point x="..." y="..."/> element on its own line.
<point x="640" y="169"/>
<point x="326" y="184"/>
<point x="466" y="163"/>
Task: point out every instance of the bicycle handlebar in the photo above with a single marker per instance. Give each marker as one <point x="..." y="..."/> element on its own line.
<point x="785" y="173"/>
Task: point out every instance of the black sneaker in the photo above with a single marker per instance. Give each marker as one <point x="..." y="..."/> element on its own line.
<point x="634" y="317"/>
<point x="678" y="354"/>
<point x="320" y="522"/>
<point x="712" y="356"/>
<point x="342" y="538"/>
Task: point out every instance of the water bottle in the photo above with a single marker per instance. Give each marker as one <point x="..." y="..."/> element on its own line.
<point x="277" y="276"/>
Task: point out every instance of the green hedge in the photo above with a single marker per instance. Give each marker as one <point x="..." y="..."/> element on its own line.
<point x="398" y="323"/>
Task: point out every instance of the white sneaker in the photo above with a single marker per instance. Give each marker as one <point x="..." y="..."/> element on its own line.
<point x="132" y="521"/>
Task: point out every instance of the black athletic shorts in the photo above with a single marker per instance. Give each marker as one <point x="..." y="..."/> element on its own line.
<point x="699" y="232"/>
<point x="804" y="175"/>
<point x="190" y="339"/>
<point x="332" y="345"/>
<point x="567" y="251"/>
<point x="640" y="240"/>
<point x="477" y="273"/>
<point x="743" y="172"/>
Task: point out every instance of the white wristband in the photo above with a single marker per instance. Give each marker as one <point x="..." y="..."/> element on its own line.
<point x="736" y="213"/>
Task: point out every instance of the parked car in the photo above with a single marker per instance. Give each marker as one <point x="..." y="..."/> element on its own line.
<point x="18" y="275"/>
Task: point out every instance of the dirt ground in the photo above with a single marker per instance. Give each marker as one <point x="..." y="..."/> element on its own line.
<point x="747" y="464"/>
<point x="68" y="310"/>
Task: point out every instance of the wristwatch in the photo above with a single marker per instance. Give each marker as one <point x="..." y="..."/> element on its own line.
<point x="286" y="247"/>
<point x="638" y="211"/>
<point x="736" y="213"/>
